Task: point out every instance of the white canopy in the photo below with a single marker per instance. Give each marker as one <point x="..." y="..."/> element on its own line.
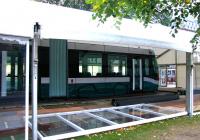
<point x="17" y="18"/>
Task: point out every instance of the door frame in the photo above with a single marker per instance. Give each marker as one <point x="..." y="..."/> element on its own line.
<point x="140" y="74"/>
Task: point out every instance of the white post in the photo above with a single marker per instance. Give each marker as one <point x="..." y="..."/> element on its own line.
<point x="3" y="74"/>
<point x="36" y="40"/>
<point x="133" y="62"/>
<point x="141" y="79"/>
<point x="189" y="84"/>
<point x="27" y="91"/>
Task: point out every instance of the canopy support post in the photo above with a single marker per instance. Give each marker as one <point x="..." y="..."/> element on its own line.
<point x="189" y="84"/>
<point x="27" y="92"/>
<point x="36" y="40"/>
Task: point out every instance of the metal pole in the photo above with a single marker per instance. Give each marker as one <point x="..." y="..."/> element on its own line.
<point x="27" y="91"/>
<point x="176" y="67"/>
<point x="195" y="76"/>
<point x="36" y="40"/>
<point x="189" y="84"/>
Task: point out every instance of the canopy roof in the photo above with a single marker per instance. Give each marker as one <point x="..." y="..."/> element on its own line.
<point x="18" y="17"/>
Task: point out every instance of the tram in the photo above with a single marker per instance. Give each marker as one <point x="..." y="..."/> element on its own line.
<point x="96" y="70"/>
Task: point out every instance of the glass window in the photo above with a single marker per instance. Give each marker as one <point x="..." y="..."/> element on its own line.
<point x="146" y="63"/>
<point x="12" y="82"/>
<point x="90" y="64"/>
<point x="117" y="65"/>
<point x="155" y="65"/>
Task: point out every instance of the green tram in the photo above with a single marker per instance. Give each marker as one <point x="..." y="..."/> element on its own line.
<point x="95" y="71"/>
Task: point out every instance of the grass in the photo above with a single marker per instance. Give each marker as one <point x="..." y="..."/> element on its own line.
<point x="151" y="131"/>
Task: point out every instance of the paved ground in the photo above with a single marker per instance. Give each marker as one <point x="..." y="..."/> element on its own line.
<point x="181" y="103"/>
<point x="65" y="107"/>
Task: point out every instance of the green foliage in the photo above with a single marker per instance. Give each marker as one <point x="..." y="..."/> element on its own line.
<point x="57" y="2"/>
<point x="78" y="4"/>
<point x="168" y="12"/>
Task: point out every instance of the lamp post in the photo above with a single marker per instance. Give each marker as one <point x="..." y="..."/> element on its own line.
<point x="36" y="40"/>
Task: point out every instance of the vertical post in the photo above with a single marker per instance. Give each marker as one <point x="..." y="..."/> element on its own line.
<point x="3" y="74"/>
<point x="176" y="60"/>
<point x="12" y="73"/>
<point x="36" y="40"/>
<point x="133" y="67"/>
<point x="27" y="92"/>
<point x="141" y="79"/>
<point x="20" y="71"/>
<point x="189" y="84"/>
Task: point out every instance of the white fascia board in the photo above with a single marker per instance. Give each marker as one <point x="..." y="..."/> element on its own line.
<point x="18" y="18"/>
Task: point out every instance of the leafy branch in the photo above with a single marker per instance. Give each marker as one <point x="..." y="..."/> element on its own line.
<point x="172" y="13"/>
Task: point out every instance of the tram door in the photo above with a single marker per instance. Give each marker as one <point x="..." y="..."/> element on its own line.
<point x="137" y="74"/>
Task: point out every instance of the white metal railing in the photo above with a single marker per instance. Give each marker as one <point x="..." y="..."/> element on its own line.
<point x="196" y="113"/>
<point x="110" y="124"/>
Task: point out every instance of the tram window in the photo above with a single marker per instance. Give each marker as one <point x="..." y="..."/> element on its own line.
<point x="146" y="63"/>
<point x="155" y="65"/>
<point x="117" y="65"/>
<point x="80" y="66"/>
<point x="90" y="64"/>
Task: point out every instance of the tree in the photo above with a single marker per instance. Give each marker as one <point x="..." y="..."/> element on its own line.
<point x="78" y="4"/>
<point x="172" y="12"/>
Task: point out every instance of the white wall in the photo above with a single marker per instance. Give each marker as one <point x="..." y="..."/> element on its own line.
<point x="169" y="58"/>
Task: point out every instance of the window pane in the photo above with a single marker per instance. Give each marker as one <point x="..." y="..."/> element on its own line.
<point x="155" y="65"/>
<point x="116" y="69"/>
<point x="117" y="65"/>
<point x="80" y="69"/>
<point x="146" y="62"/>
<point x="89" y="69"/>
<point x="90" y="64"/>
<point x="12" y="84"/>
<point x="123" y="70"/>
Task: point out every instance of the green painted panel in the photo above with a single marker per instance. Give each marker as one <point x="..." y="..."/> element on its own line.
<point x="58" y="68"/>
<point x="44" y="91"/>
<point x="147" y="86"/>
<point x="98" y="90"/>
